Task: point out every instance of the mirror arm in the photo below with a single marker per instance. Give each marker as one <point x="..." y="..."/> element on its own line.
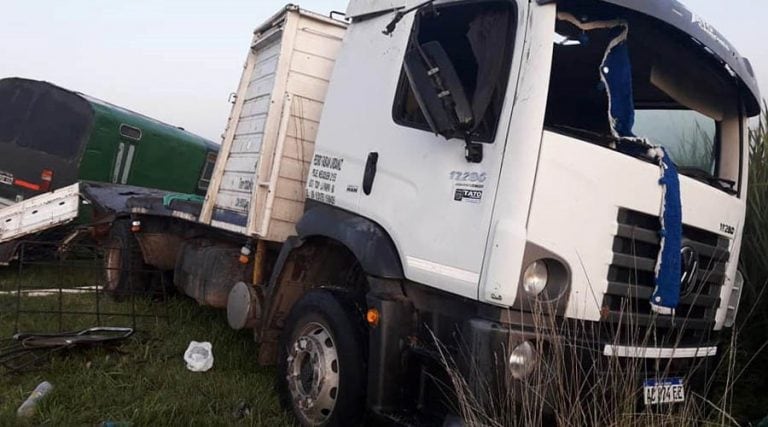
<point x="390" y="28"/>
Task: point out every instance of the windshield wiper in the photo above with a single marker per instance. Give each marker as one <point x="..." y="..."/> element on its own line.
<point x="724" y="184"/>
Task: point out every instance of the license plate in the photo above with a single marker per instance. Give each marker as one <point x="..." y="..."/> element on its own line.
<point x="6" y="178"/>
<point x="667" y="390"/>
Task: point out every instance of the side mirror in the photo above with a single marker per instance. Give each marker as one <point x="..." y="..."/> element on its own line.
<point x="438" y="90"/>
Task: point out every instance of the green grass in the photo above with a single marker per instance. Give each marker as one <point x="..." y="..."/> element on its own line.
<point x="144" y="380"/>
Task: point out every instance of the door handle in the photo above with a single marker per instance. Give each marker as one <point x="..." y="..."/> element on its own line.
<point x="370" y="172"/>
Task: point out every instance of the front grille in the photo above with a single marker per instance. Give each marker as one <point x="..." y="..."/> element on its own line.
<point x="626" y="307"/>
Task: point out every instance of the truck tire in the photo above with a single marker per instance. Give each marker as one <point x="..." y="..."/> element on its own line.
<point x="125" y="273"/>
<point x="321" y="365"/>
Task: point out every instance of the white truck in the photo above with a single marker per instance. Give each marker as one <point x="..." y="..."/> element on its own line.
<point x="446" y="171"/>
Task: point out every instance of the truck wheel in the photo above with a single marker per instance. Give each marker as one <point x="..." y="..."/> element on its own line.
<point x="124" y="268"/>
<point x="321" y="365"/>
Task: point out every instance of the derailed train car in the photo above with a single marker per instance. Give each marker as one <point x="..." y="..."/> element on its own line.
<point x="53" y="141"/>
<point x="51" y="137"/>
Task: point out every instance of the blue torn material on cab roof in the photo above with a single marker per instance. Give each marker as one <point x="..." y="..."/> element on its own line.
<point x="616" y="72"/>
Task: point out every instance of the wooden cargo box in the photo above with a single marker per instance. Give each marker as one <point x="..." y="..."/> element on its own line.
<point x="257" y="187"/>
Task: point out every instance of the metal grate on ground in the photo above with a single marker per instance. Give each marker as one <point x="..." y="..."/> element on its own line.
<point x="52" y="300"/>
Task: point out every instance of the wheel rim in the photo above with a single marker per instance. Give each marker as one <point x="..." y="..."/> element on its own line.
<point x="114" y="264"/>
<point x="313" y="374"/>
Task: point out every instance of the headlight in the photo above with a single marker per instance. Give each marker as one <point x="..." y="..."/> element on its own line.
<point x="733" y="301"/>
<point x="535" y="278"/>
<point x="522" y="360"/>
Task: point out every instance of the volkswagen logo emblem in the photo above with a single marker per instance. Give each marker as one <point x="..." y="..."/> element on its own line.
<point x="689" y="269"/>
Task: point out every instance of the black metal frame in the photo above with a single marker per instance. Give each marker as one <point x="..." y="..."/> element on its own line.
<point x="27" y="349"/>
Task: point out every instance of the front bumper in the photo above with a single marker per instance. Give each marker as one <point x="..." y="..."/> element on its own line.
<point x="577" y="365"/>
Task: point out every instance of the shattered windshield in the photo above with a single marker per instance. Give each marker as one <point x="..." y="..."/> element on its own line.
<point x="689" y="137"/>
<point x="622" y="77"/>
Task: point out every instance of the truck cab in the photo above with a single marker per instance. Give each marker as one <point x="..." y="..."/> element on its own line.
<point x="511" y="153"/>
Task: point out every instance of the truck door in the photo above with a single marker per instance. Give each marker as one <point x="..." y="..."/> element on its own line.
<point x="126" y="150"/>
<point x="434" y="195"/>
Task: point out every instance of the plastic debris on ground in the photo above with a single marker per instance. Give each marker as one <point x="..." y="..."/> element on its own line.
<point x="28" y="408"/>
<point x="199" y="356"/>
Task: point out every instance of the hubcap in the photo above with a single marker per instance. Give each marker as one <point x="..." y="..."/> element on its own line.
<point x="313" y="374"/>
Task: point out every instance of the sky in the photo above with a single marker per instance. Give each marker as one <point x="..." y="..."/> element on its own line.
<point x="178" y="60"/>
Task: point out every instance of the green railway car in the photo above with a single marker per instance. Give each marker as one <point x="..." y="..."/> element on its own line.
<point x="51" y="137"/>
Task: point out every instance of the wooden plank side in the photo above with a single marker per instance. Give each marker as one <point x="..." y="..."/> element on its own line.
<point x="302" y="127"/>
<point x="280" y="230"/>
<point x="254" y="106"/>
<point x="311" y="65"/>
<point x="239" y="175"/>
<point x="304" y="151"/>
<point x="248" y="136"/>
<point x="267" y="60"/>
<point x="229" y="136"/>
<point x="237" y="182"/>
<point x="288" y="210"/>
<point x="234" y="201"/>
<point x="251" y="125"/>
<point x="315" y="45"/>
<point x="261" y="87"/>
<point x="307" y="86"/>
<point x="294" y="169"/>
<point x="246" y="143"/>
<point x="307" y="109"/>
<point x="266" y="164"/>
<point x="290" y="189"/>
<point x="332" y="30"/>
<point x="246" y="163"/>
<point x="309" y="40"/>
<point x="297" y="154"/>
<point x="321" y="40"/>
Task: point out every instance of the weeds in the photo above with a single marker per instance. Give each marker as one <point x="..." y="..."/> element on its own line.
<point x="749" y="399"/>
<point x="574" y="384"/>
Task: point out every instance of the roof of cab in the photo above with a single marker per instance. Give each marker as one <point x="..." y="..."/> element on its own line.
<point x="672" y="12"/>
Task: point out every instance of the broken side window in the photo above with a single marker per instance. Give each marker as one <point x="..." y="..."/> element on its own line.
<point x="205" y="176"/>
<point x="478" y="39"/>
<point x="43" y="118"/>
<point x="678" y="94"/>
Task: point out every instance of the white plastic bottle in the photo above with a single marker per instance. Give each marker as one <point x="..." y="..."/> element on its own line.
<point x="27" y="409"/>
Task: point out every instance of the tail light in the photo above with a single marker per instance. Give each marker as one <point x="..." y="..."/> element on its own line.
<point x="46" y="178"/>
<point x="26" y="184"/>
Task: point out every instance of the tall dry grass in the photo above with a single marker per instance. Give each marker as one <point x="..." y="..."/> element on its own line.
<point x="749" y="398"/>
<point x="574" y="384"/>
